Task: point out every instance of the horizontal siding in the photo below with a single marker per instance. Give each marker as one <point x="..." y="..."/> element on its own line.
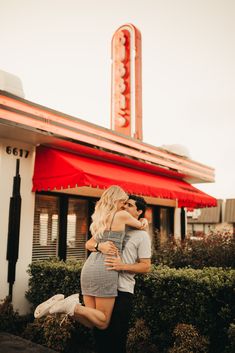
<point x="208" y="215"/>
<point x="229" y="216"/>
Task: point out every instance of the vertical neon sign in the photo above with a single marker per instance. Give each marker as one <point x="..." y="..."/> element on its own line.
<point x="126" y="111"/>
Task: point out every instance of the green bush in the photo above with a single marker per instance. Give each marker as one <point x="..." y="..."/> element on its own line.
<point x="59" y="334"/>
<point x="202" y="298"/>
<point x="52" y="277"/>
<point x="10" y="320"/>
<point x="46" y="279"/>
<point x="216" y="250"/>
<point x="188" y="340"/>
<point x="139" y="339"/>
<point x="163" y="298"/>
<point x="34" y="332"/>
<point x="231" y="339"/>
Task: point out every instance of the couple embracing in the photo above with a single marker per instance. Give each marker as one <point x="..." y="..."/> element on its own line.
<point x="120" y="247"/>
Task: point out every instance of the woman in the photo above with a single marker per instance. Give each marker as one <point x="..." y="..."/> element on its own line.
<point x="99" y="286"/>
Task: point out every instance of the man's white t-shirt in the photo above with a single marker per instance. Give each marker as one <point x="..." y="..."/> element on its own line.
<point x="136" y="245"/>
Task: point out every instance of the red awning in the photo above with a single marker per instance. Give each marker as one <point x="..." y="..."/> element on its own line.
<point x="56" y="169"/>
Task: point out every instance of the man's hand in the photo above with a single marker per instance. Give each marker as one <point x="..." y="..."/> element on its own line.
<point x="114" y="263"/>
<point x="108" y="248"/>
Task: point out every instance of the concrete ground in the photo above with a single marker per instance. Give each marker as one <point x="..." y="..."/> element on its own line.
<point x="15" y="344"/>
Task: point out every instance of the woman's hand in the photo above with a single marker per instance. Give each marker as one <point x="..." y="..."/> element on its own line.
<point x="108" y="248"/>
<point x="144" y="223"/>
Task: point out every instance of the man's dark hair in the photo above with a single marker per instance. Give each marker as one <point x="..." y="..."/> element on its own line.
<point x="140" y="203"/>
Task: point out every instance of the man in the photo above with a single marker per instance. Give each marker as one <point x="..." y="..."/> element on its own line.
<point x="136" y="257"/>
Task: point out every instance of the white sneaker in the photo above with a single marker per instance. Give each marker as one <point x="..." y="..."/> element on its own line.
<point x="65" y="306"/>
<point x="43" y="308"/>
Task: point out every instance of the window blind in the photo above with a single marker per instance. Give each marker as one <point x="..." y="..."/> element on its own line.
<point x="77" y="229"/>
<point x="45" y="235"/>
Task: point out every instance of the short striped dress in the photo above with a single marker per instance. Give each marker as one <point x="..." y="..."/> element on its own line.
<point x="96" y="280"/>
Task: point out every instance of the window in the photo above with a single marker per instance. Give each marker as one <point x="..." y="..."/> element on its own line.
<point x="149" y="216"/>
<point x="198" y="230"/>
<point x="77" y="228"/>
<point x="189" y="229"/>
<point x="45" y="235"/>
<point x="163" y="223"/>
<point x="60" y="227"/>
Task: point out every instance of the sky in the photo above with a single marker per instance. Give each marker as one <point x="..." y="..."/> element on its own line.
<point x="61" y="50"/>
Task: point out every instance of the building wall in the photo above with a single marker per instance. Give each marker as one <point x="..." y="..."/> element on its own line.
<point x="7" y="173"/>
<point x="224" y="228"/>
<point x="195" y="229"/>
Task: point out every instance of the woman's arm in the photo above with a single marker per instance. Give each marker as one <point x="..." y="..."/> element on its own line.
<point x="129" y="220"/>
<point x="107" y="247"/>
<point x="91" y="244"/>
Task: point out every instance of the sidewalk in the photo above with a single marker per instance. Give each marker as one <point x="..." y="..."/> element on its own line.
<point x="15" y="344"/>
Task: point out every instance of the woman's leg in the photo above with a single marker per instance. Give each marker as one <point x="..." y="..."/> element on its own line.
<point x="90" y="302"/>
<point x="99" y="315"/>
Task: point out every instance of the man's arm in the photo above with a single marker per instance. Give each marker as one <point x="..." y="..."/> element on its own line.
<point x="115" y="263"/>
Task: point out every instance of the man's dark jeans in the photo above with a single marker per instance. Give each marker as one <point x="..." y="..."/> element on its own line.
<point x="113" y="339"/>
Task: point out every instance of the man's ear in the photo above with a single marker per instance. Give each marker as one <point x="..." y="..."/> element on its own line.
<point x="139" y="213"/>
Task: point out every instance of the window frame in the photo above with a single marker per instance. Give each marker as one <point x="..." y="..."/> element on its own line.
<point x="63" y="202"/>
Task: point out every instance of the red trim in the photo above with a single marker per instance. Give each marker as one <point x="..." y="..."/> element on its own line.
<point x="56" y="169"/>
<point x="121" y="160"/>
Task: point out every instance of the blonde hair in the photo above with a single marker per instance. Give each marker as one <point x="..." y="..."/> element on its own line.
<point x="105" y="207"/>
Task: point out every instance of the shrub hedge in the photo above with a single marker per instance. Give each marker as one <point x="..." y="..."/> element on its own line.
<point x="203" y="298"/>
<point x="10" y="320"/>
<point x="49" y="277"/>
<point x="187" y="339"/>
<point x="164" y="298"/>
<point x="215" y="250"/>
